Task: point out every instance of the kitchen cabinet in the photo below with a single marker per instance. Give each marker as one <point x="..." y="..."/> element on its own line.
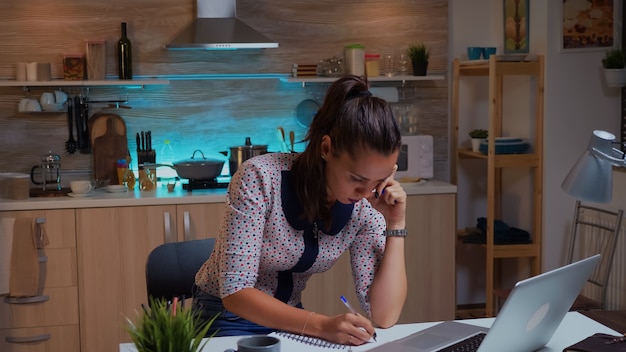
<point x="113" y="244"/>
<point x="429" y="253"/>
<point x="198" y="221"/>
<point x="528" y="165"/>
<point x="54" y="322"/>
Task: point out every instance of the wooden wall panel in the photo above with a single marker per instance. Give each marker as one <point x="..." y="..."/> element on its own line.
<point x="209" y="114"/>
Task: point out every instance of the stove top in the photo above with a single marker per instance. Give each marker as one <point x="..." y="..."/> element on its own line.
<point x="205" y="184"/>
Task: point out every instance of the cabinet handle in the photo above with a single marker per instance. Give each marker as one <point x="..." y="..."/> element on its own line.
<point x="26" y="300"/>
<point x="27" y="339"/>
<point x="187" y="226"/>
<point x="167" y="222"/>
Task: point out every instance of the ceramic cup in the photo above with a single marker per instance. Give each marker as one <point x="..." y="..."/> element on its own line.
<point x="488" y="51"/>
<point x="27" y="105"/>
<point x="474" y="52"/>
<point x="257" y="344"/>
<point x="47" y="98"/>
<point x="80" y="187"/>
<point x="60" y="97"/>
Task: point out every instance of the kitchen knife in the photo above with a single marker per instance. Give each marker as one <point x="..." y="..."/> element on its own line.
<point x="143" y="141"/>
<point x="138" y="141"/>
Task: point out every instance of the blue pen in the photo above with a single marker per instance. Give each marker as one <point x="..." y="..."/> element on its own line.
<point x="352" y="310"/>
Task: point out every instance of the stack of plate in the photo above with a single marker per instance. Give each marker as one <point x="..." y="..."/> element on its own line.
<point x="507" y="145"/>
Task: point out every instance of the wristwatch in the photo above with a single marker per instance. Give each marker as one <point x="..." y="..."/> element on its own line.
<point x="395" y="233"/>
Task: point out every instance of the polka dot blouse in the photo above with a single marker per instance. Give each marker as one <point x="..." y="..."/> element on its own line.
<point x="256" y="243"/>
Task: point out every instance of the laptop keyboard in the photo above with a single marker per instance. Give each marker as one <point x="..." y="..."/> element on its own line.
<point x="470" y="344"/>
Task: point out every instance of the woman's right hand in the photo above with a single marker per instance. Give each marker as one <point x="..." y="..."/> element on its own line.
<point x="347" y="329"/>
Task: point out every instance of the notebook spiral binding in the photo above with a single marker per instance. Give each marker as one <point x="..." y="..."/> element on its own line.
<point x="313" y="341"/>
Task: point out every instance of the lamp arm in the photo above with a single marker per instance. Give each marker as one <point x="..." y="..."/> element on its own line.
<point x="616" y="156"/>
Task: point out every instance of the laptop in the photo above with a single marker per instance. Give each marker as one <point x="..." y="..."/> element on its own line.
<point x="528" y="319"/>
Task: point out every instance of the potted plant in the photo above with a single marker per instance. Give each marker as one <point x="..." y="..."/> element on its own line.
<point x="419" y="55"/>
<point x="614" y="67"/>
<point x="168" y="328"/>
<point x="478" y="135"/>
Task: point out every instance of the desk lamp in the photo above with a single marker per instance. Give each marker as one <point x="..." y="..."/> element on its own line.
<point x="591" y="178"/>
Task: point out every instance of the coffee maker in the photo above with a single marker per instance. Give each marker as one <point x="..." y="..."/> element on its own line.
<point x="51" y="172"/>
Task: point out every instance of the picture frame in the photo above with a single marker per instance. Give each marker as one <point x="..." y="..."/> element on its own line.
<point x="590" y="25"/>
<point x="516" y="26"/>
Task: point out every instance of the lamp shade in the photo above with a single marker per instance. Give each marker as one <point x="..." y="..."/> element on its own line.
<point x="591" y="178"/>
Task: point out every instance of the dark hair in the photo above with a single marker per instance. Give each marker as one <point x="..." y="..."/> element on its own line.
<point x="355" y="121"/>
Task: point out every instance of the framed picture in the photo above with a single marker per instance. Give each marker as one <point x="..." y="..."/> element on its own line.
<point x="590" y="25"/>
<point x="516" y="14"/>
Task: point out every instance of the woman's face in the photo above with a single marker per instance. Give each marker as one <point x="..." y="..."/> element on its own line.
<point x="349" y="180"/>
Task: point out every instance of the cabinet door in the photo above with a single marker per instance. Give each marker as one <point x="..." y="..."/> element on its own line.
<point x="113" y="244"/>
<point x="58" y="316"/>
<point x="429" y="251"/>
<point x="198" y="221"/>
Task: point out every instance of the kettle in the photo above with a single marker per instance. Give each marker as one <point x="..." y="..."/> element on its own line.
<point x="51" y="172"/>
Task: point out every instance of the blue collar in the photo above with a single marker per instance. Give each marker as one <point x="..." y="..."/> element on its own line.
<point x="340" y="213"/>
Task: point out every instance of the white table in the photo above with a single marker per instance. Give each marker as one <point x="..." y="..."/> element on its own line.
<point x="574" y="328"/>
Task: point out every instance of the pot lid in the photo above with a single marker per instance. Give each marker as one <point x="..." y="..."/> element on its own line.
<point x="200" y="160"/>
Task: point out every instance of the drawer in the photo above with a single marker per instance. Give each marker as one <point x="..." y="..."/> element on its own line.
<point x="61" y="338"/>
<point x="60" y="309"/>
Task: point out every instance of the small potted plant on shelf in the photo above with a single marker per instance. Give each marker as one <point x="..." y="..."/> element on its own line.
<point x="614" y="67"/>
<point x="166" y="327"/>
<point x="419" y="55"/>
<point x="478" y="135"/>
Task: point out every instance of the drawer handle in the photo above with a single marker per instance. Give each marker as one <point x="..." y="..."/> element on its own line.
<point x="27" y="339"/>
<point x="26" y="300"/>
<point x="167" y="224"/>
<point x="187" y="226"/>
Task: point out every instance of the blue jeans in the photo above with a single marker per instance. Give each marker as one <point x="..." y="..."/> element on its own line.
<point x="227" y="323"/>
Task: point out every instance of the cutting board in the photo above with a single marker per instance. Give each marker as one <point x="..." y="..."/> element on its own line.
<point x="108" y="148"/>
<point x="98" y="125"/>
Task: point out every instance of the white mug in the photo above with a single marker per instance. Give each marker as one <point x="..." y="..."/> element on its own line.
<point x="60" y="97"/>
<point x="80" y="187"/>
<point x="27" y="105"/>
<point x="47" y="98"/>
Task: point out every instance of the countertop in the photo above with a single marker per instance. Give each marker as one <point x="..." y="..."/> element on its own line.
<point x="100" y="199"/>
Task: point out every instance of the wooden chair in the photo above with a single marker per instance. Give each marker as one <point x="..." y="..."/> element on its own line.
<point x="171" y="267"/>
<point x="594" y="230"/>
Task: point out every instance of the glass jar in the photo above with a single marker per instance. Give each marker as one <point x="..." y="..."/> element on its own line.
<point x="355" y="59"/>
<point x="372" y="65"/>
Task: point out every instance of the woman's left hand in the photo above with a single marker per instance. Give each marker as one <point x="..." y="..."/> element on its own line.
<point x="391" y="201"/>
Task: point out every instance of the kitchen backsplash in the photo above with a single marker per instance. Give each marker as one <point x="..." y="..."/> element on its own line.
<point x="207" y="114"/>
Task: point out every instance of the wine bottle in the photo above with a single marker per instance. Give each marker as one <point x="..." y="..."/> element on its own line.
<point x="124" y="55"/>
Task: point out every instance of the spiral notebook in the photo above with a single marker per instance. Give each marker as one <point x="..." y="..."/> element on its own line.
<point x="293" y="342"/>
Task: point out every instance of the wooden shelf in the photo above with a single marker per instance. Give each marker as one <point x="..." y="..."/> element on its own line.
<point x="494" y="70"/>
<point x="139" y="83"/>
<point x="403" y="79"/>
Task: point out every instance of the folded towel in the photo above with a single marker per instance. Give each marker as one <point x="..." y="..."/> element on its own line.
<point x="25" y="268"/>
<point x="6" y="246"/>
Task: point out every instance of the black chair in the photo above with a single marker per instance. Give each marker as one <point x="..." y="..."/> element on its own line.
<point x="171" y="268"/>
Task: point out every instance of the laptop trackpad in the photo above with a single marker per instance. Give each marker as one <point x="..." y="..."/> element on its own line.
<point x="425" y="341"/>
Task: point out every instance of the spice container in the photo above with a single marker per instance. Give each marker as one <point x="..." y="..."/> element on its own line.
<point x="73" y="67"/>
<point x="355" y="59"/>
<point x="95" y="51"/>
<point x="372" y="65"/>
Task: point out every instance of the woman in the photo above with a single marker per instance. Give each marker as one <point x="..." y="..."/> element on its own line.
<point x="289" y="216"/>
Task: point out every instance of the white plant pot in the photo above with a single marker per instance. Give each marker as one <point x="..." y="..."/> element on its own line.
<point x="615" y="77"/>
<point x="476" y="144"/>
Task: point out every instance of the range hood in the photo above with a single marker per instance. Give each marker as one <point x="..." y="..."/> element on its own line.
<point x="217" y="28"/>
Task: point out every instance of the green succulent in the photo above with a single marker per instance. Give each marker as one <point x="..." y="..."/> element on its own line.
<point x="478" y="133"/>
<point x="418" y="52"/>
<point x="614" y="59"/>
<point x="161" y="328"/>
